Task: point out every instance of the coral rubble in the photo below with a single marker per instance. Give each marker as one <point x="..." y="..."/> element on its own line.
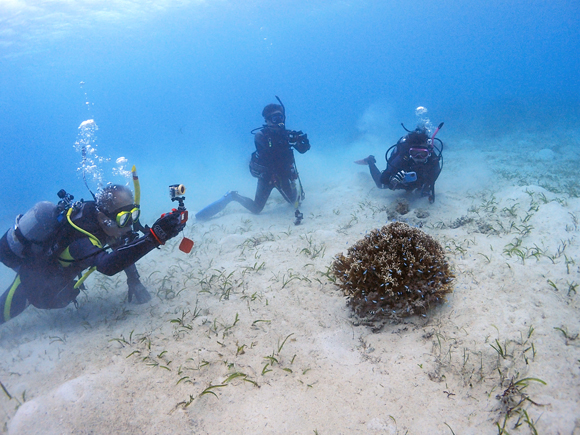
<point x="395" y="271"/>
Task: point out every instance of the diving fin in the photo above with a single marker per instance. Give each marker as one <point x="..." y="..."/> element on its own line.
<point x="215" y="207"/>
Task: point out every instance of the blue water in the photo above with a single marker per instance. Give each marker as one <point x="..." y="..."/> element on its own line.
<point x="175" y="87"/>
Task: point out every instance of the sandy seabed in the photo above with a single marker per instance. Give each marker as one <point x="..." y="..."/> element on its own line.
<point x="249" y="335"/>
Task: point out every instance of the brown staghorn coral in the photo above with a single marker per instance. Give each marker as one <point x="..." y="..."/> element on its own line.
<point x="395" y="271"/>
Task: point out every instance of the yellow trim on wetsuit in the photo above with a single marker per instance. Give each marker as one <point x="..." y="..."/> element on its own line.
<point x="65" y="259"/>
<point x="8" y="302"/>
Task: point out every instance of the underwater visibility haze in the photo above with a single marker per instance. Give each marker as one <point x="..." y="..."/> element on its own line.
<point x="176" y="86"/>
<point x="91" y="88"/>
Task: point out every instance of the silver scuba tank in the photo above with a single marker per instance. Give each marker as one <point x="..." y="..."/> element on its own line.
<point x="32" y="229"/>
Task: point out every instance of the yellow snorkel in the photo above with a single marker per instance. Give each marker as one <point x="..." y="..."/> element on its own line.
<point x="136" y="185"/>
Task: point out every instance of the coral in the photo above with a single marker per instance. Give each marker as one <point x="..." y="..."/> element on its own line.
<point x="395" y="271"/>
<point x="421" y="213"/>
<point x="402" y="206"/>
<point x="398" y="209"/>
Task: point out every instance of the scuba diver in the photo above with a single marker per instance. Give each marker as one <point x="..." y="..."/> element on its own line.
<point x="51" y="245"/>
<point x="272" y="164"/>
<point x="413" y="163"/>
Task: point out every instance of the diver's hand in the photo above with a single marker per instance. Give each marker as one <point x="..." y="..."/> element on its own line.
<point x="300" y="141"/>
<point x="293" y="136"/>
<point x="167" y="226"/>
<point x="303" y="140"/>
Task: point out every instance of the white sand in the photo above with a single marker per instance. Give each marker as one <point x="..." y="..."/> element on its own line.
<point x="255" y="301"/>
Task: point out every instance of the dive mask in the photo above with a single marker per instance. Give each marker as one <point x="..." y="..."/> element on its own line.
<point x="126" y="217"/>
<point x="276" y="118"/>
<point x="419" y="154"/>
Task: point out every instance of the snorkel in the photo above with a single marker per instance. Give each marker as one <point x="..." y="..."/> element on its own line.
<point x="436" y="131"/>
<point x="137" y="188"/>
<point x="282" y="125"/>
<point x="136" y="185"/>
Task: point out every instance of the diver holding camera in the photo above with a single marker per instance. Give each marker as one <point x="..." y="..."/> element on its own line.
<point x="54" y="248"/>
<point x="413" y="163"/>
<point x="272" y="163"/>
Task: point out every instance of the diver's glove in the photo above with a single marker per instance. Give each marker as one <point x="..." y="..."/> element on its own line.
<point x="398" y="178"/>
<point x="166" y="227"/>
<point x="302" y="144"/>
<point x="299" y="141"/>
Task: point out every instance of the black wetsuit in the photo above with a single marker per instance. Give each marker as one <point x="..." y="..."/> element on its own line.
<point x="400" y="160"/>
<point x="273" y="164"/>
<point x="48" y="280"/>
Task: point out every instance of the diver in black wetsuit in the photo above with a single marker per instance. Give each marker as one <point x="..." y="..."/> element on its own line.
<point x="413" y="163"/>
<point x="272" y="164"/>
<point x="48" y="271"/>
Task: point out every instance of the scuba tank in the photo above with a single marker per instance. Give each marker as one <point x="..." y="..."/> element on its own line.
<point x="30" y="231"/>
<point x="33" y="231"/>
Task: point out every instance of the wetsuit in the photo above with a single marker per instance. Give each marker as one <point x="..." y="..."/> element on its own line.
<point x="400" y="160"/>
<point x="48" y="280"/>
<point x="273" y="164"/>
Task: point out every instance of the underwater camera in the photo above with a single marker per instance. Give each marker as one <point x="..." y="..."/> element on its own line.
<point x="297" y="137"/>
<point x="176" y="192"/>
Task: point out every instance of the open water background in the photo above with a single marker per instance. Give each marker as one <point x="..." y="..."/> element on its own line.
<point x="176" y="86"/>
